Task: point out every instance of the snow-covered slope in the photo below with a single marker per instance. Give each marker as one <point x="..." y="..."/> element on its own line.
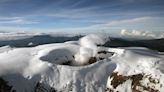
<point x="81" y="66"/>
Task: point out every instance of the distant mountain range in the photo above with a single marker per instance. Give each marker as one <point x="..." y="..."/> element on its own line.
<point x="154" y="44"/>
<point x="38" y="40"/>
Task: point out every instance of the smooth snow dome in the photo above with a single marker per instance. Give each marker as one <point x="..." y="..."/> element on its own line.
<point x="81" y="66"/>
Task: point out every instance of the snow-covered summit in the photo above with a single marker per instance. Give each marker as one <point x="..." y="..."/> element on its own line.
<point x="81" y="66"/>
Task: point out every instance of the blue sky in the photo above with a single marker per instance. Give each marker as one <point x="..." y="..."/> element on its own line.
<point x="81" y="15"/>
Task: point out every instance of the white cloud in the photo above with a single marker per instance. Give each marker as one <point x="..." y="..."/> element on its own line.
<point x="140" y="34"/>
<point x="83" y="13"/>
<point x="128" y="21"/>
<point x="9" y="18"/>
<point x="16" y="20"/>
<point x="19" y="21"/>
<point x="74" y="13"/>
<point x="19" y="29"/>
<point x="141" y="22"/>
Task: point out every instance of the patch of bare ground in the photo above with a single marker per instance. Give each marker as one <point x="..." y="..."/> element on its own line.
<point x="4" y="87"/>
<point x="41" y="88"/>
<point x="136" y="84"/>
